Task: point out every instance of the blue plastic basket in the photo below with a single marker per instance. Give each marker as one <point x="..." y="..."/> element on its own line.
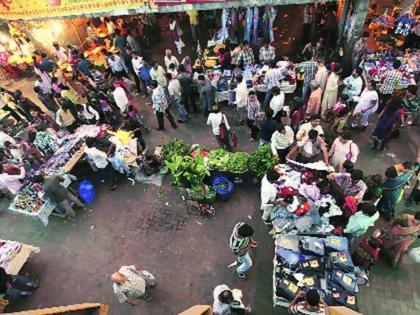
<point x="223" y="187"/>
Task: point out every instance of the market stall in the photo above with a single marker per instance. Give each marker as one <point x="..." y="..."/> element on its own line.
<point x="253" y="76"/>
<point x="310" y="248"/>
<point x="30" y="200"/>
<point x="376" y="64"/>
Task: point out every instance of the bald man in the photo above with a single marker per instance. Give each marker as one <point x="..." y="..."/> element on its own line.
<point x="131" y="284"/>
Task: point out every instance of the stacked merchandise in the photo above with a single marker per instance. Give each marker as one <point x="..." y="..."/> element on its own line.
<point x="310" y="208"/>
<point x="323" y="263"/>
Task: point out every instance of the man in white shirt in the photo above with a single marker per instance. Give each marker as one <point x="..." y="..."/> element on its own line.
<point x="137" y="62"/>
<point x="60" y="53"/>
<point x="277" y="102"/>
<point x="169" y="58"/>
<point x="353" y="85"/>
<point x="120" y="98"/>
<point x="227" y="300"/>
<point x="117" y="66"/>
<point x="304" y="129"/>
<point x="214" y="120"/>
<point x="268" y="193"/>
<point x="98" y="160"/>
<point x="241" y="99"/>
<point x="158" y="74"/>
<point x="174" y="89"/>
<point x="281" y="140"/>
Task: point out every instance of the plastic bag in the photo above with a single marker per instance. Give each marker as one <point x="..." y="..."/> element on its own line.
<point x="86" y="191"/>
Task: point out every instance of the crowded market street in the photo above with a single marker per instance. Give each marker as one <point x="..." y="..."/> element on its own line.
<point x="129" y="175"/>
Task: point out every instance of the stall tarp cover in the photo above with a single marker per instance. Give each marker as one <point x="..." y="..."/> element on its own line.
<point x="41" y="9"/>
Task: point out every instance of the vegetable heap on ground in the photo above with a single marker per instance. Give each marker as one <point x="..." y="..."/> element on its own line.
<point x="189" y="172"/>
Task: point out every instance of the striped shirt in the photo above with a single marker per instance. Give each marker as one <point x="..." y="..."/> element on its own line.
<point x="273" y="77"/>
<point x="391" y="79"/>
<point x="237" y="242"/>
<point x="253" y="109"/>
<point x="159" y="100"/>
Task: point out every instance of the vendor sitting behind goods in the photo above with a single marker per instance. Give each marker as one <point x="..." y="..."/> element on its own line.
<point x="227" y="301"/>
<point x="314" y="124"/>
<point x="363" y="219"/>
<point x="308" y="150"/>
<point x="348" y="184"/>
<point x="268" y="192"/>
<point x="312" y="303"/>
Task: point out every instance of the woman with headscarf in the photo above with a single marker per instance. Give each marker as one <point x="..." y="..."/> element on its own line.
<point x="397" y="178"/>
<point x="400" y="235"/>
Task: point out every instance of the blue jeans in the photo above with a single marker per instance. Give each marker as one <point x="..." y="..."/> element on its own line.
<point x="240" y="111"/>
<point x="244" y="262"/>
<point x="267" y="99"/>
<point x="180" y="109"/>
<point x="306" y="92"/>
<point x="262" y="142"/>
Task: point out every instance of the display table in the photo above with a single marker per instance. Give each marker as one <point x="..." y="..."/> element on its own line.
<point x="30" y="201"/>
<point x="16" y="256"/>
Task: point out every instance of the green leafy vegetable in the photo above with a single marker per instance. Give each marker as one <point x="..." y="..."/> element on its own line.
<point x="175" y="147"/>
<point x="187" y="172"/>
<point x="261" y="160"/>
<point x="217" y="159"/>
<point x="238" y="163"/>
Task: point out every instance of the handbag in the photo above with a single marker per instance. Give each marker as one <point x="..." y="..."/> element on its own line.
<point x="222" y="128"/>
<point x="350" y="154"/>
<point x="234" y="138"/>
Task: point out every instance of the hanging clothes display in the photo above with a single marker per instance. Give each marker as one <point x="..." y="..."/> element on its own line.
<point x="404" y="24"/>
<point x="249" y="17"/>
<point x="255" y="26"/>
<point x="273" y="14"/>
<point x="266" y="23"/>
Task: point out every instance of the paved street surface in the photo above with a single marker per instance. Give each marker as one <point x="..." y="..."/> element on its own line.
<point x="149" y="226"/>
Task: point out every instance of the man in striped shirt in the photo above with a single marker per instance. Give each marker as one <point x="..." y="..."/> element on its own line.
<point x="272" y="78"/>
<point x="390" y="80"/>
<point x="240" y="242"/>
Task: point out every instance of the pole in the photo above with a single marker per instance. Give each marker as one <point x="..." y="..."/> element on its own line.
<point x="343" y="20"/>
<point x="358" y="17"/>
<point x="77" y="34"/>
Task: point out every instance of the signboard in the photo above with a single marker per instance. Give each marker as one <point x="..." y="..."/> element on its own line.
<point x="41" y="9"/>
<point x="35" y="9"/>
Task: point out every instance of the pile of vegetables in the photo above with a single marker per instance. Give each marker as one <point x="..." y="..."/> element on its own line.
<point x="218" y="159"/>
<point x="187" y="172"/>
<point x="237" y="163"/>
<point x="173" y="148"/>
<point x="261" y="160"/>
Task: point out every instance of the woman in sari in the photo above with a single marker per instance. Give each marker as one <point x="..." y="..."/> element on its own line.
<point x="400" y="235"/>
<point x="397" y="177"/>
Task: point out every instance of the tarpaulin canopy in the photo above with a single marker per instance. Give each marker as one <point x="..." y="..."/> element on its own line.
<point x="41" y="9"/>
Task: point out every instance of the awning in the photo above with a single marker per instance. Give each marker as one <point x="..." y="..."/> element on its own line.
<point x="43" y="9"/>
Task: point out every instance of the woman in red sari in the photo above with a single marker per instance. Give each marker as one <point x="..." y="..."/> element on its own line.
<point x="400" y="235"/>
